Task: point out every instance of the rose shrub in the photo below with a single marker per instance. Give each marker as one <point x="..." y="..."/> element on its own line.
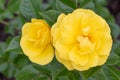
<point x="81" y="39"/>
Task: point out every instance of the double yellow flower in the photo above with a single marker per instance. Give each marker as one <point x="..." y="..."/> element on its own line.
<point x="81" y="40"/>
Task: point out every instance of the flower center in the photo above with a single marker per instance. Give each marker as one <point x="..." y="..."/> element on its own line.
<point x="85" y="45"/>
<point x="85" y="31"/>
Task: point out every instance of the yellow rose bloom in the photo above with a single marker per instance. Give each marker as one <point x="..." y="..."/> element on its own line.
<point x="36" y="41"/>
<point x="81" y="39"/>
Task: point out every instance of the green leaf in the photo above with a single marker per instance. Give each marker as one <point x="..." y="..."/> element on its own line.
<point x="2" y="2"/>
<point x="63" y="78"/>
<point x="8" y="69"/>
<point x="107" y="73"/>
<point x="58" y="71"/>
<point x="8" y="10"/>
<point x="113" y="59"/>
<point x="102" y="11"/>
<point x="11" y="63"/>
<point x="3" y="66"/>
<point x="74" y="75"/>
<point x="30" y="72"/>
<point x="87" y="4"/>
<point x="50" y="16"/>
<point x="100" y="75"/>
<point x="27" y="73"/>
<point x="42" y="69"/>
<point x="3" y="46"/>
<point x="64" y="73"/>
<point x="115" y="29"/>
<point x="13" y="6"/>
<point x="14" y="46"/>
<point x="64" y="6"/>
<point x="70" y="3"/>
<point x="42" y="77"/>
<point x="11" y="70"/>
<point x="21" y="60"/>
<point x="112" y="73"/>
<point x="14" y="26"/>
<point x="100" y="2"/>
<point x="6" y="14"/>
<point x="90" y="72"/>
<point x="30" y="8"/>
<point x="116" y="47"/>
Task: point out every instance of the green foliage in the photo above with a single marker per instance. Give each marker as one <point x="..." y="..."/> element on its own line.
<point x="14" y="46"/>
<point x="107" y="73"/>
<point x="13" y="63"/>
<point x="64" y="6"/>
<point x="9" y="10"/>
<point x="48" y="16"/>
<point x="30" y="8"/>
<point x="90" y="72"/>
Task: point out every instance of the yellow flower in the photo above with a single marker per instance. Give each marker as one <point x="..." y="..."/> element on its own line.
<point x="36" y="41"/>
<point x="81" y="39"/>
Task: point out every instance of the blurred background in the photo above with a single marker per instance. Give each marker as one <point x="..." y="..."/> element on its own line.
<point x="12" y="18"/>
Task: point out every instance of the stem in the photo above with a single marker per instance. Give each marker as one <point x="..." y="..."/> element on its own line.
<point x="3" y="22"/>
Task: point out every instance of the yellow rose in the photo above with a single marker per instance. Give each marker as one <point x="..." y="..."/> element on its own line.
<point x="36" y="41"/>
<point x="81" y="39"/>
